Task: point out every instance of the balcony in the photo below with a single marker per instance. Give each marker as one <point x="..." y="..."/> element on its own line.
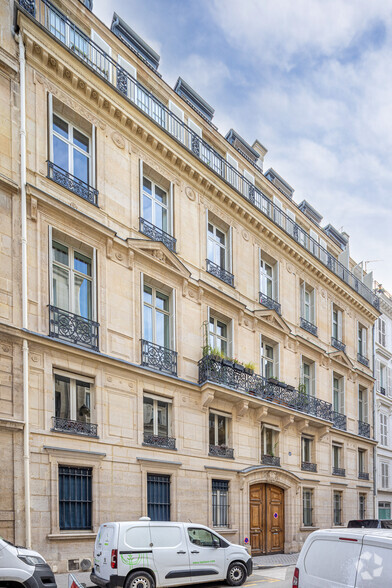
<point x="159" y="441"/>
<point x="222" y="372"/>
<point x="159" y="358"/>
<point x="339" y="420"/>
<point x="74" y="427"/>
<point x="363" y="475"/>
<point x="338" y="471"/>
<point x="306" y="466"/>
<point x="86" y="51"/>
<point x="269" y="303"/>
<point x="219" y="272"/>
<point x="338" y="344"/>
<point x="308" y="326"/>
<point x="270" y="460"/>
<point x="221" y="451"/>
<point x="157" y="234"/>
<point x="363" y="360"/>
<point x="364" y="429"/>
<point x="72" y="183"/>
<point x="73" y="328"/>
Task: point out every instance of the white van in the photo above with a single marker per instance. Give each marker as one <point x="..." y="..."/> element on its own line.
<point x="23" y="567"/>
<point x="146" y="554"/>
<point x="345" y="558"/>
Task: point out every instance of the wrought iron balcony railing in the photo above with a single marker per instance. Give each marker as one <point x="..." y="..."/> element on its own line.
<point x="269" y="302"/>
<point x="84" y="49"/>
<point x="308" y="326"/>
<point x="364" y="429"/>
<point x="363" y="475"/>
<point x="338" y="344"/>
<point x="159" y="358"/>
<point x="306" y="466"/>
<point x="219" y="272"/>
<point x="221" y="451"/>
<point x="73" y="328"/>
<point x="212" y="370"/>
<point x="338" y="471"/>
<point x="74" y="427"/>
<point x="159" y="441"/>
<point x="363" y="360"/>
<point x="271" y="460"/>
<point x="72" y="183"/>
<point x="339" y="420"/>
<point x="157" y="234"/>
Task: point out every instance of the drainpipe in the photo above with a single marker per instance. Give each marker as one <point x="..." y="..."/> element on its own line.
<point x="375" y="513"/>
<point x="25" y="347"/>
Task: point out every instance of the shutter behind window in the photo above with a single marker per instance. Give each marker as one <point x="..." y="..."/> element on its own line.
<point x="276" y="361"/>
<point x="314" y="248"/>
<point x="290" y="225"/>
<point x="132" y="72"/>
<point x="231" y="176"/>
<point x="101" y="62"/>
<point x="323" y="254"/>
<point x="175" y="126"/>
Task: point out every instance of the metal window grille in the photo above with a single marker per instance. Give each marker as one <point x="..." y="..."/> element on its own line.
<point x="362" y="506"/>
<point x="75" y="498"/>
<point x="307" y="508"/>
<point x="337" y="508"/>
<point x="158" y="497"/>
<point x="220" y="503"/>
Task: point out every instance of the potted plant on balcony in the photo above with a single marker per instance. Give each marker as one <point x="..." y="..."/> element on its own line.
<point x="290" y="388"/>
<point x="249" y="368"/>
<point x="273" y="381"/>
<point x="227" y="362"/>
<point x="238" y="365"/>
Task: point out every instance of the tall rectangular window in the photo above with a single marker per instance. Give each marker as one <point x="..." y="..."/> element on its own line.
<point x="72" y="399"/>
<point x="75" y="498"/>
<point x="269" y="352"/>
<point x="384" y="510"/>
<point x="219" y="429"/>
<point x="338" y="393"/>
<point x="269" y="276"/>
<point x="306" y="449"/>
<point x="218" y="246"/>
<point x="218" y="335"/>
<point x="362" y="340"/>
<point x="337" y="323"/>
<point x="381" y="331"/>
<point x="270" y="441"/>
<point x="384" y="475"/>
<point x="155" y="205"/>
<point x="158" y="497"/>
<point x="220" y="503"/>
<point x="363" y="411"/>
<point x="308" y="311"/>
<point x="361" y="461"/>
<point x="308" y="377"/>
<point x="337" y="508"/>
<point x="307" y="507"/>
<point x="336" y="457"/>
<point x="156" y="417"/>
<point x="383" y="429"/>
<point x="156" y="316"/>
<point x="362" y="506"/>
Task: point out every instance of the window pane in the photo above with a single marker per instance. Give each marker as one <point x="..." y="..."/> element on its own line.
<point x="81" y="166"/>
<point x="147" y="296"/>
<point x="83" y="402"/>
<point x="147" y="330"/>
<point x="210" y="250"/>
<point x="160" y="195"/>
<point x="147" y="186"/>
<point x="147" y="208"/>
<point x="162" y="301"/>
<point x="60" y="153"/>
<point x="60" y="253"/>
<point x="61" y="397"/>
<point x="82" y="263"/>
<point x="222" y="257"/>
<point x="221" y="430"/>
<point x="162" y="329"/>
<point x="60" y="287"/>
<point x="220" y="237"/>
<point x="60" y="126"/>
<point x="80" y="140"/>
<point x="163" y="419"/>
<point x="83" y="298"/>
<point x="211" y="425"/>
<point x="221" y="329"/>
<point x="161" y="217"/>
<point x="148" y="415"/>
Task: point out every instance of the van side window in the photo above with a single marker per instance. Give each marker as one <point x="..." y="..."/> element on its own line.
<point x="138" y="537"/>
<point x="203" y="538"/>
<point x="165" y="536"/>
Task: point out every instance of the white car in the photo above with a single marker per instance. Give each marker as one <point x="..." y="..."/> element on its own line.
<point x="345" y="558"/>
<point x="146" y="554"/>
<point x="28" y="568"/>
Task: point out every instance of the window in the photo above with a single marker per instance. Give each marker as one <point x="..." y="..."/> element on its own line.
<point x="337" y="508"/>
<point x="218" y="243"/>
<point x="361" y="461"/>
<point x="232" y="170"/>
<point x="75" y="498"/>
<point x="156" y="417"/>
<point x="269" y="359"/>
<point x="176" y="121"/>
<point x="307" y="449"/>
<point x="218" y="335"/>
<point x="362" y="506"/>
<point x="155" y="205"/>
<point x="381" y="331"/>
<point x="308" y="377"/>
<point x="363" y="413"/>
<point x="220" y="503"/>
<point x="270" y="441"/>
<point x="384" y="510"/>
<point x="158" y="497"/>
<point x="202" y="537"/>
<point x="337" y="324"/>
<point x="336" y="457"/>
<point x="308" y="303"/>
<point x="383" y="429"/>
<point x="73" y="279"/>
<point x="158" y="316"/>
<point x="72" y="399"/>
<point x="384" y="475"/>
<point x="219" y="429"/>
<point x="269" y="277"/>
<point x="338" y="393"/>
<point x="362" y="341"/>
<point x="71" y="149"/>
<point x="307" y="507"/>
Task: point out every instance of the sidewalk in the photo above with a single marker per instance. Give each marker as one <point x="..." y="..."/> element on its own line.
<point x="273" y="561"/>
<point x="82" y="577"/>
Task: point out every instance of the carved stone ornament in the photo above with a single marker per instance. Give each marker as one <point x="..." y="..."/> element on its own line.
<point x="118" y="140"/>
<point x="290" y="268"/>
<point x="245" y="235"/>
<point x="190" y="193"/>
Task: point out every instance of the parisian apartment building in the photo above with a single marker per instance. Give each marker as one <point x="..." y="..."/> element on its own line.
<point x="179" y="338"/>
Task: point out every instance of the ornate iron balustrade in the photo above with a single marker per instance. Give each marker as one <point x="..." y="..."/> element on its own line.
<point x="269" y="302"/>
<point x="338" y="344"/>
<point x="219" y="272"/>
<point x="271" y="460"/>
<point x="106" y="67"/>
<point x="159" y="358"/>
<point x="382" y="391"/>
<point x="338" y="471"/>
<point x="363" y="475"/>
<point x="72" y="183"/>
<point x="364" y="429"/>
<point x="306" y="466"/>
<point x="221" y="451"/>
<point x="73" y="328"/>
<point x="159" y="441"/>
<point x="74" y="427"/>
<point x="213" y="370"/>
<point x="363" y="360"/>
<point x="308" y="326"/>
<point x="157" y="234"/>
<point x="339" y="420"/>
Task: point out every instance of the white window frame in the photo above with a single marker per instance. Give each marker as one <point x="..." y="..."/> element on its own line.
<point x="131" y="70"/>
<point x="176" y="128"/>
<point x="307" y="503"/>
<point x="362" y="340"/>
<point x="213" y="336"/>
<point x="308" y="306"/>
<point x="362" y="461"/>
<point x="339" y="389"/>
<point x="73" y="378"/>
<point x="155" y="400"/>
<point x="363" y="405"/>
<point x="231" y="176"/>
<point x="227" y="418"/>
<point x="307" y="441"/>
<point x="384" y="433"/>
<point x="101" y="63"/>
<point x="384" y="474"/>
<point x="337" y="323"/>
<point x="274" y="360"/>
<point x="310" y="378"/>
<point x="337" y="450"/>
<point x="170" y="313"/>
<point x="381" y="323"/>
<point x="264" y="278"/>
<point x="155" y="202"/>
<point x="275" y="431"/>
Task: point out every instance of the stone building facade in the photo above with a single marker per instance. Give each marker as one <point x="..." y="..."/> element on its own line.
<point x="178" y="338"/>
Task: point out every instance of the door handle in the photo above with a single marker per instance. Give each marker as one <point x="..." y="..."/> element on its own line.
<point x="195" y="551"/>
<point x="181" y="552"/>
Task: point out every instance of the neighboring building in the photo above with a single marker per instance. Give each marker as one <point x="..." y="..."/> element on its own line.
<point x="383" y="373"/>
<point x="151" y="250"/>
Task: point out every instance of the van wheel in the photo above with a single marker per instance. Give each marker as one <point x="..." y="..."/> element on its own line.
<point x="236" y="574"/>
<point x="140" y="580"/>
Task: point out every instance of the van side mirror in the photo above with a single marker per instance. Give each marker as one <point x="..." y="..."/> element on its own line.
<point x="216" y="543"/>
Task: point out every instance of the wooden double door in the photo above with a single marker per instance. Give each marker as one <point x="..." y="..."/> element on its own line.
<point x="266" y="519"/>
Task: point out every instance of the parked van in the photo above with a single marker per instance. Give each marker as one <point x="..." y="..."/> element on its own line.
<point x="345" y="558"/>
<point x="25" y="567"/>
<point x="370" y="524"/>
<point x="146" y="554"/>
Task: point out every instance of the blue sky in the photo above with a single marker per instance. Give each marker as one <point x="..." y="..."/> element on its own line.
<point x="311" y="79"/>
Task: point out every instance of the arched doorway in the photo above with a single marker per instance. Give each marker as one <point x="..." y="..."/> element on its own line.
<point x="266" y="504"/>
